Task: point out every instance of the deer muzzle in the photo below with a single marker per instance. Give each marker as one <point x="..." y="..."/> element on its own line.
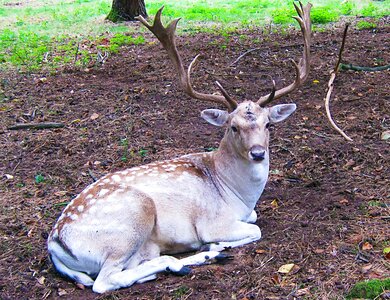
<point x="257" y="153"/>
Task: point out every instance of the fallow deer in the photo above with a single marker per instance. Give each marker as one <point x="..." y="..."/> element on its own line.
<point x="113" y="233"/>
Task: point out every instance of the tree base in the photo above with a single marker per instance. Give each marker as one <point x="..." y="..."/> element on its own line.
<point x="126" y="10"/>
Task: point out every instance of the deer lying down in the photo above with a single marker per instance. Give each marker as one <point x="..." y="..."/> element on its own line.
<point x="113" y="233"/>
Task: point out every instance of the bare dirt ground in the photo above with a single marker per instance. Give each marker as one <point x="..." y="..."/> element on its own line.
<point x="332" y="215"/>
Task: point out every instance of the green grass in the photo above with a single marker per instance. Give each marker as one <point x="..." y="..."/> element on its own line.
<point x="365" y="25"/>
<point x="40" y="34"/>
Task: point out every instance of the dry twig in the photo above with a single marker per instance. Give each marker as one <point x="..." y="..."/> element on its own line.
<point x="330" y="88"/>
<point x="36" y="126"/>
<point x="367" y="69"/>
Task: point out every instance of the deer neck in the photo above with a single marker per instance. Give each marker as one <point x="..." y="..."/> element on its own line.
<point x="245" y="179"/>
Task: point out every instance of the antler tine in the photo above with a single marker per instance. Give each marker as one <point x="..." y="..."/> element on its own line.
<point x="303" y="67"/>
<point x="166" y="35"/>
<point x="271" y="95"/>
<point x="233" y="103"/>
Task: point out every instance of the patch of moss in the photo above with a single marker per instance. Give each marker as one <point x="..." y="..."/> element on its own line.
<point x="370" y="289"/>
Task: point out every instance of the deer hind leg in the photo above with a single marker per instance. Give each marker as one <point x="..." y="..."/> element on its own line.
<point x="235" y="235"/>
<point x="77" y="276"/>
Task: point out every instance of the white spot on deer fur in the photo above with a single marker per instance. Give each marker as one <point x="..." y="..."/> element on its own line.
<point x="102" y="192"/>
<point x="92" y="201"/>
<point x="136" y="169"/>
<point x="89" y="196"/>
<point x="116" y="178"/>
<point x="106" y="180"/>
<point x="170" y="167"/>
<point x="80" y="208"/>
<point x="74" y="217"/>
<point x="68" y="214"/>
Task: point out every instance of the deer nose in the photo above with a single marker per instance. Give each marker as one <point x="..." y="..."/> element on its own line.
<point x="257" y="153"/>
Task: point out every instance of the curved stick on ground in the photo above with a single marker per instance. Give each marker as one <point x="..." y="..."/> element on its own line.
<point x="330" y="89"/>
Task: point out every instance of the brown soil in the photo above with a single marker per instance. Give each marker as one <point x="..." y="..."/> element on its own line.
<point x="332" y="195"/>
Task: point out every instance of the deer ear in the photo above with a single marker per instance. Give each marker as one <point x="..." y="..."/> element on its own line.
<point x="215" y="117"/>
<point x="281" y="112"/>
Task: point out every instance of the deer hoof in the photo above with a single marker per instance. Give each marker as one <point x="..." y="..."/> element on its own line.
<point x="223" y="258"/>
<point x="183" y="271"/>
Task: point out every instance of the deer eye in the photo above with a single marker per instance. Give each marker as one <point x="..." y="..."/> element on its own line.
<point x="234" y="129"/>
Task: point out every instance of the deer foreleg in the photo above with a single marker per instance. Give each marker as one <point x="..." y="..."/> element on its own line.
<point x="252" y="217"/>
<point x="238" y="234"/>
<point x="113" y="278"/>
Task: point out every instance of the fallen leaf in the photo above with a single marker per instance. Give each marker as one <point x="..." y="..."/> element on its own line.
<point x="276" y="279"/>
<point x="260" y="251"/>
<point x="355" y="238"/>
<point x="302" y="292"/>
<point x="366" y="268"/>
<point x="316" y="81"/>
<point x="274" y="204"/>
<point x="60" y="193"/>
<point x="385" y="135"/>
<point x="375" y="274"/>
<point x="343" y="201"/>
<point x="349" y="164"/>
<point x="9" y="177"/>
<point x="80" y="286"/>
<point x="386" y="252"/>
<point x="285" y="269"/>
<point x="41" y="280"/>
<point x="94" y="116"/>
<point x="367" y="246"/>
<point x="62" y="292"/>
<point x="318" y="251"/>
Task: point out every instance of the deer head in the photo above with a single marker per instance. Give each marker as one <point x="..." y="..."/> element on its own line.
<point x="247" y="123"/>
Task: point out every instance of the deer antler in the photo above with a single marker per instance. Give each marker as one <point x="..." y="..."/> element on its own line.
<point x="302" y="68"/>
<point x="166" y="35"/>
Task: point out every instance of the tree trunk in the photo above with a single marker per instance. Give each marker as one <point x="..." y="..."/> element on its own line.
<point x="126" y="10"/>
